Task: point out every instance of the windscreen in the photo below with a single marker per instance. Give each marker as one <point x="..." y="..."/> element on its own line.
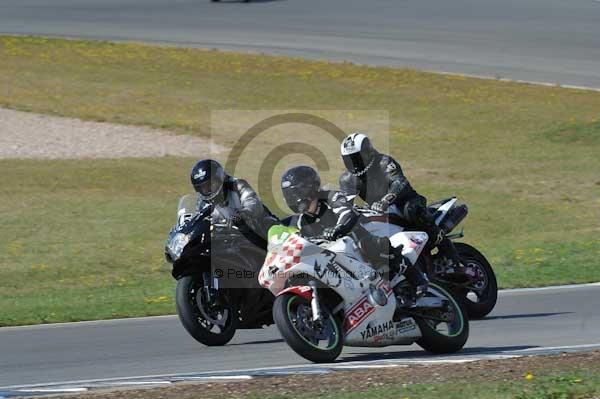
<point x="188" y="206"/>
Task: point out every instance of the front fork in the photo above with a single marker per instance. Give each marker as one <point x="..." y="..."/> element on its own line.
<point x="211" y="285"/>
<point x="317" y="315"/>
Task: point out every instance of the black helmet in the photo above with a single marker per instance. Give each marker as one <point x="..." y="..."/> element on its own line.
<point x="300" y="186"/>
<point x="207" y="178"/>
<point x="358" y="153"/>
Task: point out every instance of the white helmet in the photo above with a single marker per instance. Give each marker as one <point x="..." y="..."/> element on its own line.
<point x="358" y="153"/>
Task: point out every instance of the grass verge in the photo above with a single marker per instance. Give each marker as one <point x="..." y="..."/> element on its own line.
<point x="568" y="376"/>
<point x="83" y="239"/>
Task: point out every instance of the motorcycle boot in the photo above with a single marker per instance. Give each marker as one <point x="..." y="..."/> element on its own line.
<point x="418" y="281"/>
<point x="437" y="238"/>
<point x="447" y="248"/>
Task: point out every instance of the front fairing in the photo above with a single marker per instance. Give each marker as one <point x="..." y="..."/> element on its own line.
<point x="290" y="256"/>
<point x="191" y="225"/>
<point x="296" y="260"/>
<point x="192" y="233"/>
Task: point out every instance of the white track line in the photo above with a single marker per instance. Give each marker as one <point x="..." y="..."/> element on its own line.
<point x="521" y="81"/>
<point x="369" y="366"/>
<point x="242" y="374"/>
<point x="566" y="347"/>
<point x="549" y="288"/>
<point x="70" y="390"/>
<point x="90" y="322"/>
<point x="218" y="378"/>
<point x="142" y="383"/>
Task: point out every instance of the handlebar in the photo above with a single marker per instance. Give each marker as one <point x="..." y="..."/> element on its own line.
<point x="315" y="239"/>
<point x="366" y="209"/>
<point x="228" y="225"/>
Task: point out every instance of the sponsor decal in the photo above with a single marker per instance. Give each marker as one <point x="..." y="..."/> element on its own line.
<point x="377" y="330"/>
<point x="200" y="175"/>
<point x="387" y="331"/>
<point x="385" y="288"/>
<point x="404" y="326"/>
<point x="415" y="241"/>
<point x="357" y="314"/>
<point x="331" y="273"/>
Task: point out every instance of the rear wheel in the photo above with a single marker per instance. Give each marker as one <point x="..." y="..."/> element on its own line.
<point x="443" y="330"/>
<point x="318" y="342"/>
<point x="210" y="319"/>
<point x="480" y="297"/>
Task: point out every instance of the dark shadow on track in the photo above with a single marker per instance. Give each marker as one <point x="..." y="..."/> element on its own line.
<point x="423" y="355"/>
<point x="267" y="341"/>
<point x="245" y="2"/>
<point x="486" y="350"/>
<point x="525" y="315"/>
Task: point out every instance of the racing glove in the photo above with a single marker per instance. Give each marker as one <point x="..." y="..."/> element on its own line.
<point x="236" y="218"/>
<point x="331" y="233"/>
<point x="383" y="204"/>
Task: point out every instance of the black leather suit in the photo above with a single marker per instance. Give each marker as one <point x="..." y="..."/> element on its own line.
<point x="239" y="201"/>
<point x="385" y="179"/>
<point x="334" y="211"/>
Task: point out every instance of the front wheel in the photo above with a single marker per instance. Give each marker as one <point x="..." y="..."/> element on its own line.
<point x="479" y="299"/>
<point x="208" y="317"/>
<point x="319" y="342"/>
<point x="443" y="330"/>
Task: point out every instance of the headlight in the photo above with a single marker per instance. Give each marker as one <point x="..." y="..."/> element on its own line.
<point x="177" y="244"/>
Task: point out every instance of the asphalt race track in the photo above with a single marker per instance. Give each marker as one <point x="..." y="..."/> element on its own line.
<point x="523" y="321"/>
<point x="553" y="41"/>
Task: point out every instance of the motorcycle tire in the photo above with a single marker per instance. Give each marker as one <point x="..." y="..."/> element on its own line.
<point x="190" y="316"/>
<point x="282" y="315"/>
<point x="435" y="342"/>
<point x="487" y="301"/>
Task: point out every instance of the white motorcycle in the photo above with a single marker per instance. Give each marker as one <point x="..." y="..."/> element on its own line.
<point x="328" y="296"/>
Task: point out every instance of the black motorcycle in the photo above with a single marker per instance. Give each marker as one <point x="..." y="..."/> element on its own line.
<point x="216" y="266"/>
<point x="473" y="281"/>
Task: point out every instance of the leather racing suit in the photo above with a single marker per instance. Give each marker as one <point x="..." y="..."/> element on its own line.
<point x="336" y="217"/>
<point x="239" y="204"/>
<point x="384" y="181"/>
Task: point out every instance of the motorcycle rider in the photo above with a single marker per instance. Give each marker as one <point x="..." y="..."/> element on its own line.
<point x="328" y="214"/>
<point x="232" y="199"/>
<point x="378" y="179"/>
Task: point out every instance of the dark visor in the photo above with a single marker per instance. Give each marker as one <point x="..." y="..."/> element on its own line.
<point x="298" y="197"/>
<point x="354" y="162"/>
<point x="208" y="187"/>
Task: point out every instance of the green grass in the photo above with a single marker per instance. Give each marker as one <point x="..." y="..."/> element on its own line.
<point x="563" y="386"/>
<point x="83" y="239"/>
